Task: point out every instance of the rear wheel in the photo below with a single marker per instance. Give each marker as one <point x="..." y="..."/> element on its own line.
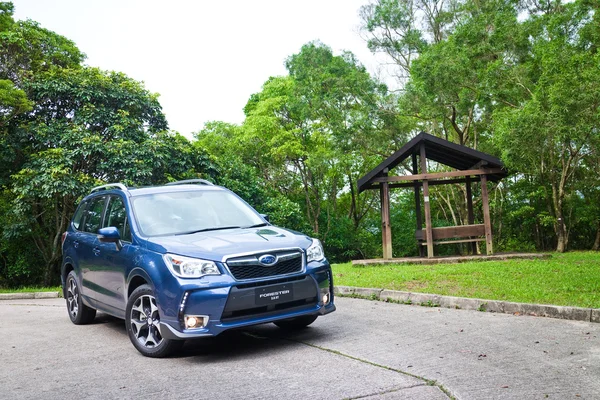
<point x="79" y="313"/>
<point x="296" y="323"/>
<point x="143" y="325"/>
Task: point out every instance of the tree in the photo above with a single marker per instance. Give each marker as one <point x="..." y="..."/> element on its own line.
<point x="402" y="29"/>
<point x="555" y="124"/>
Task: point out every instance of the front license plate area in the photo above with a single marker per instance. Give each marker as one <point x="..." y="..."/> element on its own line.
<point x="274" y="295"/>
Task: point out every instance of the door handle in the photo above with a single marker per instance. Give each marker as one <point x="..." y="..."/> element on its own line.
<point x="76" y="243"/>
<point x="96" y="251"/>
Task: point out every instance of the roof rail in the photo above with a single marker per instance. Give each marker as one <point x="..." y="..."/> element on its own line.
<point x="109" y="186"/>
<point x="187" y="181"/>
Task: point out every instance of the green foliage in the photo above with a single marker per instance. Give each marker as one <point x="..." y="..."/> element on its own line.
<point x="64" y="128"/>
<point x="13" y="102"/>
<point x="27" y="49"/>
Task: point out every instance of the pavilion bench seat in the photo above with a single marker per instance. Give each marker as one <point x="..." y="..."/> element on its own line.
<point x="463" y="234"/>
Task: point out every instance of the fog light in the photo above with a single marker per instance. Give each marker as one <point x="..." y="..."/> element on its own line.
<point x="195" y="321"/>
<point x="326" y="298"/>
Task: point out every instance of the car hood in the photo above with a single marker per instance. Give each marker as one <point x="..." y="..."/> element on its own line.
<point x="215" y="245"/>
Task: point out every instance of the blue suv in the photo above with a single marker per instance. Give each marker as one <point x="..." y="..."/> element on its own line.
<point x="187" y="260"/>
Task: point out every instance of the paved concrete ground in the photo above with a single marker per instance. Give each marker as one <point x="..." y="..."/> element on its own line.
<point x="366" y="349"/>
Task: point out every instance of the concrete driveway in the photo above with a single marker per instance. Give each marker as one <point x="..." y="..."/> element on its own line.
<point x="366" y="349"/>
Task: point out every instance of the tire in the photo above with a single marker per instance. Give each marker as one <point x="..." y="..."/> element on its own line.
<point x="79" y="313"/>
<point x="142" y="319"/>
<point x="294" y="324"/>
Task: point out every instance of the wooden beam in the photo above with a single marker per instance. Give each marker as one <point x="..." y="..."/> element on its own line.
<point x="417" y="185"/>
<point x="386" y="229"/>
<point x="455" y="241"/>
<point x="486" y="216"/>
<point x="448" y="232"/>
<point x="470" y="214"/>
<point x="428" y="232"/>
<point x="479" y="164"/>
<point x="438" y="175"/>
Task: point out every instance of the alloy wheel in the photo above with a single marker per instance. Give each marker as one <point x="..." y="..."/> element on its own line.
<point x="145" y="321"/>
<point x="73" y="298"/>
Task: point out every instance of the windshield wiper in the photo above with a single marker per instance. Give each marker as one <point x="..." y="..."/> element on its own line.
<point x="256" y="225"/>
<point x="216" y="228"/>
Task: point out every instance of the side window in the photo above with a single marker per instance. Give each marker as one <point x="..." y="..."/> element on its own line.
<point x="116" y="216"/>
<point x="94" y="215"/>
<point x="78" y="218"/>
<point x="126" y="232"/>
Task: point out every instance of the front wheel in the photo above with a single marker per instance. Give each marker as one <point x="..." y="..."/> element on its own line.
<point x="296" y="323"/>
<point x="143" y="325"/>
<point x="79" y="313"/>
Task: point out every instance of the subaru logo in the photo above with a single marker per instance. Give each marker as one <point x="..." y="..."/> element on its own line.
<point x="267" y="260"/>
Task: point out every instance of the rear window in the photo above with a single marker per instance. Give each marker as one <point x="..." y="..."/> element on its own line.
<point x="78" y="217"/>
<point x="93" y="217"/>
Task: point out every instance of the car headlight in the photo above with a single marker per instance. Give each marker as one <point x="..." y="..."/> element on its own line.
<point x="315" y="251"/>
<point x="187" y="267"/>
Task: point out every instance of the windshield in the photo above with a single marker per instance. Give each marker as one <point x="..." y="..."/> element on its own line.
<point x="180" y="213"/>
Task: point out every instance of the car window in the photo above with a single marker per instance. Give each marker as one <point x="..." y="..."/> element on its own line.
<point x="78" y="218"/>
<point x="126" y="232"/>
<point x="185" y="212"/>
<point x="94" y="215"/>
<point x="116" y="216"/>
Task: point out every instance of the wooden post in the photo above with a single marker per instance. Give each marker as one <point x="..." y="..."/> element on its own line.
<point x="486" y="215"/>
<point x="386" y="228"/>
<point x="415" y="170"/>
<point x="428" y="227"/>
<point x="471" y="216"/>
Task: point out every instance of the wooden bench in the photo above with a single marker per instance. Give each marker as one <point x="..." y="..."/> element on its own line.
<point x="451" y="232"/>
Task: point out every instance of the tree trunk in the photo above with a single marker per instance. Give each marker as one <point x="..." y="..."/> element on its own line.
<point x="558" y="196"/>
<point x="561" y="235"/>
<point x="596" y="245"/>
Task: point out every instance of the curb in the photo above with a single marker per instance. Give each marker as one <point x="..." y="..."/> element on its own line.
<point x="29" y="295"/>
<point x="497" y="306"/>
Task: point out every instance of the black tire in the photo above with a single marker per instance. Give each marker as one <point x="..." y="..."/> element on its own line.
<point x="79" y="313"/>
<point x="143" y="331"/>
<point x="294" y="324"/>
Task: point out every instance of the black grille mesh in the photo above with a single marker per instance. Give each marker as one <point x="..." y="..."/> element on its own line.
<point x="258" y="271"/>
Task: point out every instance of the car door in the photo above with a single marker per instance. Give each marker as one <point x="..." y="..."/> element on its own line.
<point x="88" y="250"/>
<point x="75" y="235"/>
<point x="112" y="270"/>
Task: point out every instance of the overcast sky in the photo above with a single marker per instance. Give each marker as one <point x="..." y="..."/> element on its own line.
<point x="204" y="58"/>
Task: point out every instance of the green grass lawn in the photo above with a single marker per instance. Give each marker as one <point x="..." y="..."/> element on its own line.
<point x="32" y="289"/>
<point x="570" y="279"/>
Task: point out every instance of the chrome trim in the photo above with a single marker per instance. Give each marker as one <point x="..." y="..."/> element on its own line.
<point x="251" y="253"/>
<point x="245" y="261"/>
<point x="171" y="333"/>
<point x="289" y="252"/>
<point x="190" y="181"/>
<point x="288" y="256"/>
<point x="254" y="260"/>
<point x="109" y="185"/>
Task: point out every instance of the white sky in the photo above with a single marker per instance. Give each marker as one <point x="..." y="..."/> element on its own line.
<point x="204" y="58"/>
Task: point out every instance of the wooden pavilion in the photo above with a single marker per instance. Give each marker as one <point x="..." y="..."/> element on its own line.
<point x="467" y="162"/>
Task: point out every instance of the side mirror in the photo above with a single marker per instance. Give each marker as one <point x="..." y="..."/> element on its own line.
<point x="110" y="234"/>
<point x="266" y="217"/>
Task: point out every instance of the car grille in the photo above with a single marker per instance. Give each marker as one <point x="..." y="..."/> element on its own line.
<point x="248" y="267"/>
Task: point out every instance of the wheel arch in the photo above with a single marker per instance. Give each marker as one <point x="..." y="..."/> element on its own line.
<point x="137" y="278"/>
<point x="66" y="269"/>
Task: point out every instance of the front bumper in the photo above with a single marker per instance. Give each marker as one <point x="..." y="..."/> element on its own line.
<point x="243" y="304"/>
